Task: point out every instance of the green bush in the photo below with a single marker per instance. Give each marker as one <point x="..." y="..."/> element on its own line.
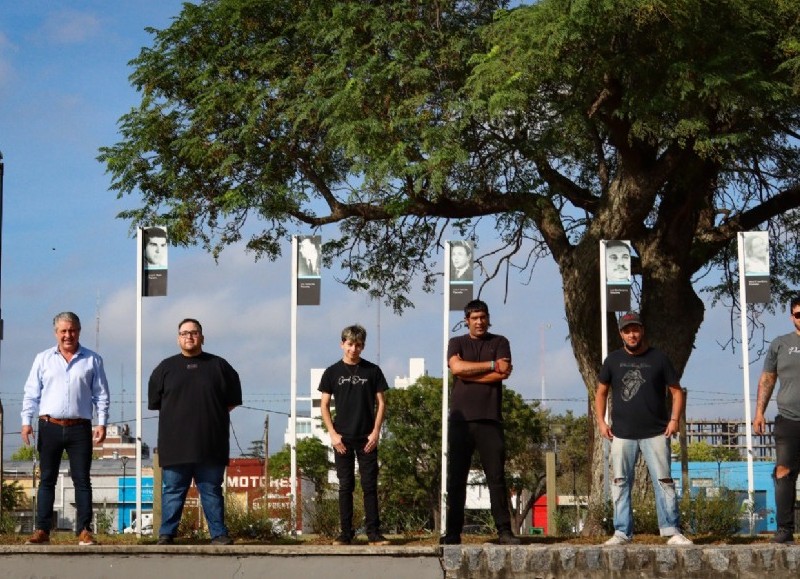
<point x="711" y="515"/>
<point x="104" y="521"/>
<point x="324" y="514"/>
<point x="8" y="523"/>
<point x="255" y="523"/>
<point x="700" y="515"/>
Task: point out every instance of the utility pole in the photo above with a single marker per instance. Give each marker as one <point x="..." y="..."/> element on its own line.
<point x="266" y="466"/>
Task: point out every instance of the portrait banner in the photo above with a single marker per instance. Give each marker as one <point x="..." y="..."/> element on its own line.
<point x="756" y="267"/>
<point x="617" y="258"/>
<point x="461" y="274"/>
<point x="309" y="270"/>
<point x="154" y="261"/>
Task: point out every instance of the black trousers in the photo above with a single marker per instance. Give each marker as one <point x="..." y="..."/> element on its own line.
<point x="463" y="439"/>
<point x="787" y="453"/>
<point x="346" y="473"/>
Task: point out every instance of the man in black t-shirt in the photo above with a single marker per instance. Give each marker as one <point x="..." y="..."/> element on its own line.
<point x="356" y="387"/>
<point x="194" y="392"/>
<point x="638" y="377"/>
<point x="479" y="362"/>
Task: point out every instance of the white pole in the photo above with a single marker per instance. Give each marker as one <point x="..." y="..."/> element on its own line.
<point x="445" y="387"/>
<point x="746" y="372"/>
<point x="293" y="386"/>
<point x="139" y="269"/>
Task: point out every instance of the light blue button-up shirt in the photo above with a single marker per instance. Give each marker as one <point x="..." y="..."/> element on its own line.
<point x="66" y="390"/>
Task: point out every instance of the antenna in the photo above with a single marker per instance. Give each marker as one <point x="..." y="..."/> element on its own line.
<point x="97" y="325"/>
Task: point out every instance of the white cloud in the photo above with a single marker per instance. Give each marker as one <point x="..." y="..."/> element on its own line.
<point x="70" y="27"/>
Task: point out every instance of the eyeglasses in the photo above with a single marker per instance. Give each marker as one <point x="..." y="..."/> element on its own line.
<point x="796" y="315"/>
<point x="187" y="333"/>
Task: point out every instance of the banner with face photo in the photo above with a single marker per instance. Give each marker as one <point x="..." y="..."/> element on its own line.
<point x="617" y="258"/>
<point x="756" y="266"/>
<point x="309" y="270"/>
<point x="461" y="269"/>
<point x="154" y="261"/>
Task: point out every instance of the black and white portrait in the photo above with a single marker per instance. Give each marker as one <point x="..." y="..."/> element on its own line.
<point x="756" y="253"/>
<point x="460" y="261"/>
<point x="618" y="262"/>
<point x="155" y="248"/>
<point x="308" y="256"/>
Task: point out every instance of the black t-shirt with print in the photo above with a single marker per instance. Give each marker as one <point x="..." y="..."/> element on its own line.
<point x="354" y="389"/>
<point x="638" y="392"/>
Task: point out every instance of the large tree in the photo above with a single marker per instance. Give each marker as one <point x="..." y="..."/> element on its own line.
<point x="672" y="124"/>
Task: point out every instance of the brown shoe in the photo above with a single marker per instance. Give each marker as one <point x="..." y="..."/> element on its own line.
<point x="85" y="538"/>
<point x="39" y="537"/>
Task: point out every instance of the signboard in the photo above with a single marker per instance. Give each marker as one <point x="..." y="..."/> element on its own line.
<point x="309" y="270"/>
<point x="617" y="258"/>
<point x="154" y="262"/>
<point x="756" y="267"/>
<point x="461" y="272"/>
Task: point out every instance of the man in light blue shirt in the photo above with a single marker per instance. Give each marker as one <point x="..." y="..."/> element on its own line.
<point x="65" y="385"/>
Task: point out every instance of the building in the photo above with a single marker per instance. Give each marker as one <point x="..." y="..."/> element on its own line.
<point x="721" y="432"/>
<point x="119" y="443"/>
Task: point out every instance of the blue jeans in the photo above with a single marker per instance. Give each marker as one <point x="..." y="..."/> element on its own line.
<point x="177" y="479"/>
<point x="53" y="441"/>
<point x="656" y="453"/>
<point x="346" y="473"/>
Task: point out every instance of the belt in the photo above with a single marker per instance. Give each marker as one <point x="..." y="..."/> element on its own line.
<point x="64" y="421"/>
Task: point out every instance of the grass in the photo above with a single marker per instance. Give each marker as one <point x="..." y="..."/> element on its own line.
<point x="69" y="538"/>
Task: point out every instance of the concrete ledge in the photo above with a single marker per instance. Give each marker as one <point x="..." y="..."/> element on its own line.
<point x="485" y="561"/>
<point x="596" y="561"/>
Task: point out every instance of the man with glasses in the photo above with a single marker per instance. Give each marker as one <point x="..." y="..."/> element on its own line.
<point x="194" y="392"/>
<point x="783" y="360"/>
<point x="638" y="376"/>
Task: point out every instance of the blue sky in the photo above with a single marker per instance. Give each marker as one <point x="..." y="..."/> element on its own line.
<point x="63" y="86"/>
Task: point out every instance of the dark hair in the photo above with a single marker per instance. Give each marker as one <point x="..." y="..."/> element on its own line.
<point x="191" y="321"/>
<point x="794" y="303"/>
<point x="355" y="333"/>
<point x="151" y="232"/>
<point x="475" y="306"/>
<point x="462" y="244"/>
<point x="67" y="317"/>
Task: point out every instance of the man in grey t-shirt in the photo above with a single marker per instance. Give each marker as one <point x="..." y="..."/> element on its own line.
<point x="783" y="360"/>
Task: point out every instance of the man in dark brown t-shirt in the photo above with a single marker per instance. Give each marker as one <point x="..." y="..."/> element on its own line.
<point x="479" y="361"/>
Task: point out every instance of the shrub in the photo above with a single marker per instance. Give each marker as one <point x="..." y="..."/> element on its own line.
<point x="711" y="515"/>
<point x="256" y="523"/>
<point x="324" y="513"/>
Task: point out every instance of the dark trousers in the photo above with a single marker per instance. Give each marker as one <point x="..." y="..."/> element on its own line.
<point x="53" y="441"/>
<point x="787" y="453"/>
<point x="346" y="472"/>
<point x="463" y="439"/>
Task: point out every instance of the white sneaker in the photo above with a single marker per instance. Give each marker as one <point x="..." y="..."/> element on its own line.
<point x="617" y="540"/>
<point x="679" y="539"/>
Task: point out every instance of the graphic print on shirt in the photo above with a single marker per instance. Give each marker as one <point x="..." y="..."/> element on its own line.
<point x="354" y="380"/>
<point x="632" y="381"/>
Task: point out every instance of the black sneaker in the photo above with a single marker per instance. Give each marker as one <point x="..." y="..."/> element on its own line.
<point x="507" y="538"/>
<point x="342" y="539"/>
<point x="783" y="536"/>
<point x="165" y="540"/>
<point x="222" y="540"/>
<point x="450" y="540"/>
<point x="377" y="540"/>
